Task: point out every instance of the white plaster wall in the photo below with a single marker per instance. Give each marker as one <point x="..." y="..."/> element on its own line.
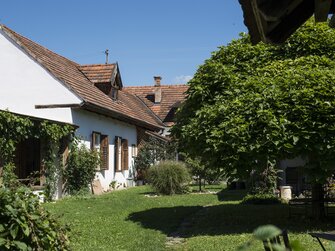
<point x="24" y="84"/>
<point x="90" y="122"/>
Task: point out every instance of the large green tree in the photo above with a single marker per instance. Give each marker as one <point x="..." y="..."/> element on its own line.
<point x="250" y="106"/>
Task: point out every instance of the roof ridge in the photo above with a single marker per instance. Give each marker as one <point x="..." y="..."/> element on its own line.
<point x="87" y="65"/>
<point x="69" y="74"/>
<point x="19" y="35"/>
<point x="164" y="85"/>
<point x="147" y="108"/>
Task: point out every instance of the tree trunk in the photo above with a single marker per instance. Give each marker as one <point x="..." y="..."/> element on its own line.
<point x="200" y="188"/>
<point x="318" y="208"/>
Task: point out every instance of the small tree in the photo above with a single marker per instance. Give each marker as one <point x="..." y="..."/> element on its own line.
<point x="250" y="106"/>
<point x="80" y="169"/>
<point x="151" y="152"/>
<point x="203" y="172"/>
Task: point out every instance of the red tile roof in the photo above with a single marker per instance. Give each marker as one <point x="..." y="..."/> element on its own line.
<point x="69" y="73"/>
<point x="98" y="73"/>
<point x="172" y="96"/>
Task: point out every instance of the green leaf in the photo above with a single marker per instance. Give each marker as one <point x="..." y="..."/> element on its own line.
<point x="2" y="241"/>
<point x="20" y="245"/>
<point x="26" y="230"/>
<point x="295" y="139"/>
<point x="13" y="231"/>
<point x="266" y="232"/>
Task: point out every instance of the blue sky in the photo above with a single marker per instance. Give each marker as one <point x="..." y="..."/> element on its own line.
<point x="170" y="38"/>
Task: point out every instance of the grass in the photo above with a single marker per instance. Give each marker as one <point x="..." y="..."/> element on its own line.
<point x="129" y="220"/>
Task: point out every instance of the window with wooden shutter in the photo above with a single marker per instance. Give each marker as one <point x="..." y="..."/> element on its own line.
<point x="100" y="144"/>
<point x="124" y="154"/>
<point x="104" y="152"/>
<point x="118" y="151"/>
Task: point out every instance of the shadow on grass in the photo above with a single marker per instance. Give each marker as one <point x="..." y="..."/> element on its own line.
<point x="225" y="219"/>
<point x="231" y="195"/>
<point x="165" y="219"/>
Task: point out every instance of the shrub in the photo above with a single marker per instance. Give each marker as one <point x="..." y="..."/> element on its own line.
<point x="25" y="225"/>
<point x="169" y="177"/>
<point x="150" y="152"/>
<point x="80" y="170"/>
<point x="261" y="199"/>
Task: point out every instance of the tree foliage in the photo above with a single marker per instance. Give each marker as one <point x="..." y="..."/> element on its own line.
<point x="202" y="172"/>
<point x="250" y="106"/>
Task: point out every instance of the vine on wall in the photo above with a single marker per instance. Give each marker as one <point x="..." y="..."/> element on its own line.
<point x="14" y="128"/>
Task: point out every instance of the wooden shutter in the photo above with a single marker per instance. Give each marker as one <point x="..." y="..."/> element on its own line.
<point x="124" y="154"/>
<point x="104" y="152"/>
<point x="93" y="140"/>
<point x="117" y="154"/>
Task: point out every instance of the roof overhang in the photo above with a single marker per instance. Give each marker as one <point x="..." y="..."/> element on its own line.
<point x="49" y="106"/>
<point x="273" y="21"/>
<point x="119" y="116"/>
<point x="158" y="136"/>
<point x="40" y="119"/>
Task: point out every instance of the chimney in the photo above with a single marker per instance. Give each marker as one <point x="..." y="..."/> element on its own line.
<point x="158" y="90"/>
<point x="157" y="80"/>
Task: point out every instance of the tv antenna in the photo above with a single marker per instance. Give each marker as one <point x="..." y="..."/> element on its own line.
<point x="107" y="53"/>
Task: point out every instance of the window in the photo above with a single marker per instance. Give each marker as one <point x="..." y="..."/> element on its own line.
<point x="121" y="154"/>
<point x="96" y="141"/>
<point x="118" y="154"/>
<point x="113" y="93"/>
<point x="101" y="145"/>
<point x="133" y="150"/>
<point x="292" y="175"/>
<point x="28" y="163"/>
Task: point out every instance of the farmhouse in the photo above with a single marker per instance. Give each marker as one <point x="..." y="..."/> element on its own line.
<point x="43" y="85"/>
<point x="163" y="100"/>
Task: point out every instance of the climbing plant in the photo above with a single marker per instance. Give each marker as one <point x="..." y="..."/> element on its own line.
<point x="15" y="128"/>
<point x="53" y="133"/>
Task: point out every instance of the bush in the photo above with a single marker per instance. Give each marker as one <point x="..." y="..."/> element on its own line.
<point x="80" y="170"/>
<point x="8" y="177"/>
<point x="150" y="152"/>
<point x="261" y="199"/>
<point x="169" y="177"/>
<point x="25" y="225"/>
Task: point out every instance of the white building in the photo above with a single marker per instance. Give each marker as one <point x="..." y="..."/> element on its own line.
<point x="39" y="83"/>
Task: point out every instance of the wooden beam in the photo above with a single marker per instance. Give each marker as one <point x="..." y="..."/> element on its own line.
<point x="57" y="106"/>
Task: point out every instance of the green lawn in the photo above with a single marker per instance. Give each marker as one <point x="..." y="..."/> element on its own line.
<point x="128" y="220"/>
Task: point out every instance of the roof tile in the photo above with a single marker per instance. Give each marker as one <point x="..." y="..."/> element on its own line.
<point x="172" y="96"/>
<point x="71" y="74"/>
